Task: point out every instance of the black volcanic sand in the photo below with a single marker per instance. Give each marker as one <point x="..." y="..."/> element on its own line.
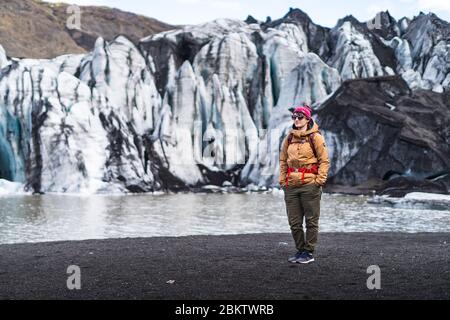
<point x="229" y="267"/>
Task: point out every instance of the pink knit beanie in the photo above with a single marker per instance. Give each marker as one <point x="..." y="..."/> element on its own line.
<point x="305" y="109"/>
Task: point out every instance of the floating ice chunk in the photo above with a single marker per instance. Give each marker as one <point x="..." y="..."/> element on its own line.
<point x="415" y="200"/>
<point x="11" y="188"/>
<point x="427" y="196"/>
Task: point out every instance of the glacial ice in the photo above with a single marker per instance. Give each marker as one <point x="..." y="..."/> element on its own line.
<point x="113" y="118"/>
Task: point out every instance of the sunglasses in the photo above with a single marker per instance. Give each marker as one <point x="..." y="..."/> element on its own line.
<point x="297" y="116"/>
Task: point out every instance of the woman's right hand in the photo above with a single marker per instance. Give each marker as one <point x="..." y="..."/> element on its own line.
<point x="316" y="183"/>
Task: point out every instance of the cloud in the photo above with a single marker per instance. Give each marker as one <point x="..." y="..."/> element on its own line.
<point x="189" y="1"/>
<point x="380" y="6"/>
<point x="228" y="5"/>
<point x="214" y="4"/>
<point x="428" y="5"/>
<point x="442" y="5"/>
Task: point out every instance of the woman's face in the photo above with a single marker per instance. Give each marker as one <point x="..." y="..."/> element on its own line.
<point x="299" y="120"/>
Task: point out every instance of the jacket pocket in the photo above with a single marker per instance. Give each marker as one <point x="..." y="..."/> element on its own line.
<point x="291" y="180"/>
<point x="307" y="178"/>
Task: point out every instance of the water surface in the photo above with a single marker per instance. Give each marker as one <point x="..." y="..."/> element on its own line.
<point x="28" y="218"/>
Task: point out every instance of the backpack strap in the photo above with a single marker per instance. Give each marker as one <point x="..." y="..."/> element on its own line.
<point x="313" y="146"/>
<point x="290" y="138"/>
<point x="311" y="142"/>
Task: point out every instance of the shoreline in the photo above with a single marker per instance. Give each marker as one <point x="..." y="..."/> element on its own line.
<point x="369" y="188"/>
<point x="246" y="266"/>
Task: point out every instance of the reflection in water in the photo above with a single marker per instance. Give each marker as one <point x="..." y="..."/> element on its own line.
<point x="68" y="217"/>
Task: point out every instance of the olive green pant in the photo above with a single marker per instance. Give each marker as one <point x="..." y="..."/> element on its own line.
<point x="303" y="203"/>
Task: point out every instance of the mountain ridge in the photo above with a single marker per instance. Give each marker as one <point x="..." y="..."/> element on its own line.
<point x="127" y="117"/>
<point x="36" y="29"/>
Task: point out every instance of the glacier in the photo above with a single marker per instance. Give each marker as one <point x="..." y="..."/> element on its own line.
<point x="204" y="104"/>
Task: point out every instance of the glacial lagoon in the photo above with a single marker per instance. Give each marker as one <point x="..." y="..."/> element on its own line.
<point x="54" y="217"/>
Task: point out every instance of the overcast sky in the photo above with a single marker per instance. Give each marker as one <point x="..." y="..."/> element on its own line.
<point x="325" y="12"/>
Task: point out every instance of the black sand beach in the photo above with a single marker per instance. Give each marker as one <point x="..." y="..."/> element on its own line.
<point x="413" y="266"/>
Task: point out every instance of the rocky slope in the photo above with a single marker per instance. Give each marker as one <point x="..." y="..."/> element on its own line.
<point x="208" y="104"/>
<point x="37" y="29"/>
<point x="380" y="128"/>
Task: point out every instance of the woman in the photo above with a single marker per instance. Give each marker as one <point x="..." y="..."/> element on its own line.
<point x="304" y="168"/>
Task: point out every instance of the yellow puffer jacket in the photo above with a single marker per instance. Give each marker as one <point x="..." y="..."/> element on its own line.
<point x="300" y="154"/>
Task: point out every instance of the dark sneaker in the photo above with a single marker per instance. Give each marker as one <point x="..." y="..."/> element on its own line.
<point x="305" y="257"/>
<point x="293" y="259"/>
